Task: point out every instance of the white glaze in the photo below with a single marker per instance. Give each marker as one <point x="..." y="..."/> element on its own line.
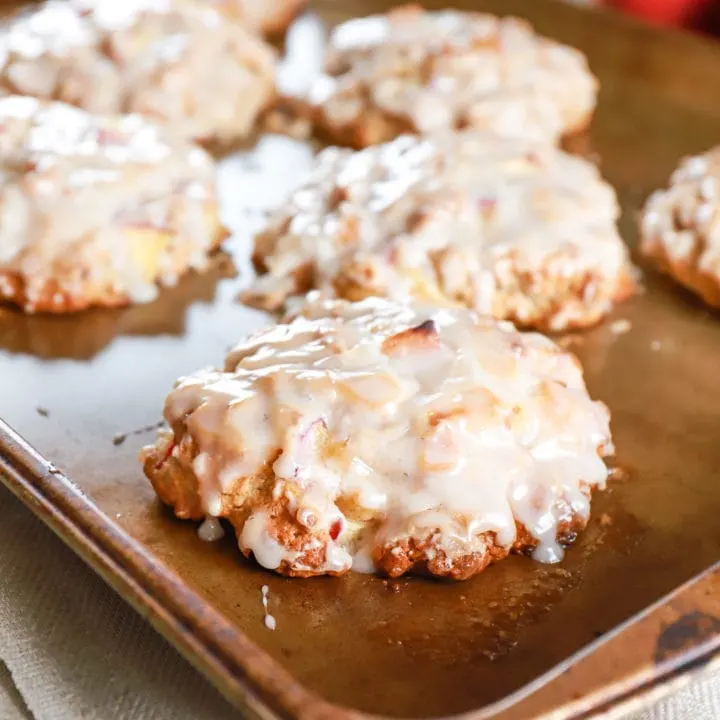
<point x="465" y="216"/>
<point x="127" y="175"/>
<point x="211" y="530"/>
<point x="269" y="620"/>
<point x="394" y="421"/>
<point x="681" y="225"/>
<point x="180" y="61"/>
<point x="450" y="69"/>
<point x="266" y="549"/>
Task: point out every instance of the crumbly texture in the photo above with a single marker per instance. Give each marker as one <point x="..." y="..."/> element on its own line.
<point x="418" y="71"/>
<point x="97" y="210"/>
<point x="271" y="17"/>
<point x="514" y="228"/>
<point x="680" y="228"/>
<point x="178" y="61"/>
<point x="379" y="436"/>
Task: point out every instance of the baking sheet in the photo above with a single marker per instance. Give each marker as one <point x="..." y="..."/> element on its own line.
<point x="84" y="390"/>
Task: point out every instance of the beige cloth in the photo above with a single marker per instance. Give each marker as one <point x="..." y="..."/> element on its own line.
<point x="75" y="651"/>
<point x="74" y="648"/>
<point x="12" y="706"/>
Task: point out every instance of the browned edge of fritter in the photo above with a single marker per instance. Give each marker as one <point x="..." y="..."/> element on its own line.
<point x="53" y="299"/>
<point x="278" y="22"/>
<point x="177" y="486"/>
<point x="704" y="284"/>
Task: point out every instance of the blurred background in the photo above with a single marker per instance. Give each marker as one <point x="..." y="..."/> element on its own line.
<point x="698" y="15"/>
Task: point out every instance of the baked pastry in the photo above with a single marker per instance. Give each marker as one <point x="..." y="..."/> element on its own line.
<point x="510" y="227"/>
<point x="173" y="60"/>
<point x="382" y="436"/>
<point x="680" y="228"/>
<point x="271" y="17"/>
<point x="418" y="71"/>
<point x="95" y="210"/>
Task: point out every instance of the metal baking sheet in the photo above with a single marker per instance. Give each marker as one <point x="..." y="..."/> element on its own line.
<point x="85" y="391"/>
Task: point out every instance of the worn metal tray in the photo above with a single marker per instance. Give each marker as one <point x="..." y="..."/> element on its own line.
<point x="520" y="640"/>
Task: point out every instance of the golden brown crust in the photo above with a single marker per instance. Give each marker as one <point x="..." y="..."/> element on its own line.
<point x="51" y="294"/>
<point x="421" y="557"/>
<point x="679" y="226"/>
<point x="562" y="294"/>
<point x="177" y="486"/>
<point x="51" y="298"/>
<point x="278" y="22"/>
<point x="273" y="19"/>
<point x="542" y="299"/>
<point x="424" y="556"/>
<point x="384" y="436"/>
<point x="441" y="231"/>
<point x="374" y="127"/>
<point x="371" y="128"/>
<point x="104" y="207"/>
<point x="687" y="273"/>
<point x="179" y="62"/>
<point x="384" y="76"/>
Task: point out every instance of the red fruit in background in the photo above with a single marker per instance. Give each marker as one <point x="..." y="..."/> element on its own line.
<point x="664" y="12"/>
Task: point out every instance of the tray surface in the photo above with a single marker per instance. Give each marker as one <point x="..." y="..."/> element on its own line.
<point x="83" y="391"/>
